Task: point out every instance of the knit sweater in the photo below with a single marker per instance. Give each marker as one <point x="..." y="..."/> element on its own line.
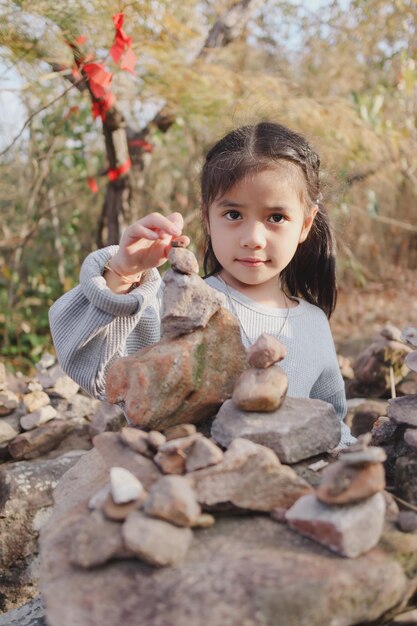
<point x="92" y="326"/>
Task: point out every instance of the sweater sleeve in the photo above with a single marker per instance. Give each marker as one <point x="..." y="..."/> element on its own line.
<point x="330" y="387"/>
<point x="91" y="326"/>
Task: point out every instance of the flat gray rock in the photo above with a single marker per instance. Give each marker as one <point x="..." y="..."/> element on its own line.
<point x="30" y="614"/>
<point x="299" y="429"/>
<point x="403" y="410"/>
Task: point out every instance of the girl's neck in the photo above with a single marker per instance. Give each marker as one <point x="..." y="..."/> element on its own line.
<point x="266" y="294"/>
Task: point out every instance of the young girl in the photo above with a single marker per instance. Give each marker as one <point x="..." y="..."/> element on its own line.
<point x="269" y="249"/>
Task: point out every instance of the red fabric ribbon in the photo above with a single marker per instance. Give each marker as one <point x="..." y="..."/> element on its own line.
<point x="148" y="147"/>
<point x="119" y="171"/>
<point x="92" y="184"/>
<point x="99" y="107"/>
<point x="121" y="42"/>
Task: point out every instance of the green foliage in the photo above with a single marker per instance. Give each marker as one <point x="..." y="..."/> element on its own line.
<point x="356" y="103"/>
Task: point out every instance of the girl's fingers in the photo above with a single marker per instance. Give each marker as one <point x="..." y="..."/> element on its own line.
<point x="155" y="222"/>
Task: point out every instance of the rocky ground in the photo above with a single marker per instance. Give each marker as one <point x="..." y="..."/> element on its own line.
<point x="173" y="520"/>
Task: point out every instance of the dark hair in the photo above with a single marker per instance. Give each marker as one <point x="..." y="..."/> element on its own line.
<point x="311" y="273"/>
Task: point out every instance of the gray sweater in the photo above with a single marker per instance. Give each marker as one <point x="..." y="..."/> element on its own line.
<point x="92" y="326"/>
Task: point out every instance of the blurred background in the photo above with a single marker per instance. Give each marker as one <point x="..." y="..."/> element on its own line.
<point x="103" y="121"/>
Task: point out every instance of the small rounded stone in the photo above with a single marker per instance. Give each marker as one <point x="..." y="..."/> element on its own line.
<point x="183" y="260"/>
<point x="266" y="351"/>
<point x="407" y="521"/>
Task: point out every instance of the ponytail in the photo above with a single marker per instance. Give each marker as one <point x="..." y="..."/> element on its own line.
<point x="311" y="273"/>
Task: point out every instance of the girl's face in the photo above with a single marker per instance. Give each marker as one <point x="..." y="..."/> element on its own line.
<point x="256" y="227"/>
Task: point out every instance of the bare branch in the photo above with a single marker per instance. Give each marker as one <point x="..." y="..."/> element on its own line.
<point x="30" y="118"/>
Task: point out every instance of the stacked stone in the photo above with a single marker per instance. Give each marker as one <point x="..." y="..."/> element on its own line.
<point x="346" y="513"/>
<point x="158" y="485"/>
<point x="37" y="413"/>
<point x="402" y="413"/>
<point x="295" y="428"/>
<point x="198" y="357"/>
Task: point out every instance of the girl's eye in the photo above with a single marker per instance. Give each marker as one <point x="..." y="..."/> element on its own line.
<point x="232" y="215"/>
<point x="276" y="218"/>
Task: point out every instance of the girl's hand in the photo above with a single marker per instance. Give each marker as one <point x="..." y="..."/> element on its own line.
<point x="144" y="243"/>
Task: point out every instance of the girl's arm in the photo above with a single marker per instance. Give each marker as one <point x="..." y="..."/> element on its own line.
<point x="103" y="319"/>
<point x="91" y="326"/>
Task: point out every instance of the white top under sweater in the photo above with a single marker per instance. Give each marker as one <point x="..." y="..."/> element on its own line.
<point x="92" y="326"/>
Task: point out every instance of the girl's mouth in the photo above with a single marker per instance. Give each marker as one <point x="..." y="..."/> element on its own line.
<point x="251" y="262"/>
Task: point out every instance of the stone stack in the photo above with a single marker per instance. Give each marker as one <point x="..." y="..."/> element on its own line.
<point x="294" y="428"/>
<point x="402" y="412"/>
<point x="347" y="511"/>
<point x="156" y="488"/>
<point x="197" y="359"/>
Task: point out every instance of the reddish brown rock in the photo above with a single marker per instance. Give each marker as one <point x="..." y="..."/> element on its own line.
<point x="348" y="530"/>
<point x="198" y="372"/>
<point x="343" y="484"/>
<point x="36" y="442"/>
<point x="260" y="389"/>
<point x="155" y="541"/>
<point x="183" y="260"/>
<point x="202" y="454"/>
<point x="173" y="499"/>
<point x="171" y="461"/>
<point x="266" y="351"/>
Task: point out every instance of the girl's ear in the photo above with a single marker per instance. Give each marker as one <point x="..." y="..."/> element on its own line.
<point x="308" y="223"/>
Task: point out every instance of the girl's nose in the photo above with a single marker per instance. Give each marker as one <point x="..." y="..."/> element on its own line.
<point x="253" y="236"/>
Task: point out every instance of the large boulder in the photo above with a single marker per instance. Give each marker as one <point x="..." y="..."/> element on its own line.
<point x="243" y="570"/>
<point x="185" y="379"/>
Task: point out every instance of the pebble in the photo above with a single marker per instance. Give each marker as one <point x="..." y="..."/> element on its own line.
<point x="9" y="401"/>
<point x="171" y="461"/>
<point x="136" y="439"/>
<point x="266" y="351"/>
<point x="383" y="430"/>
<point x="410" y="438"/>
<point x="124" y="486"/>
<point x="260" y="389"/>
<point x="344" y="484"/>
<point x="407" y="521"/>
<point x="173" y="499"/>
<point x="411" y="361"/>
<point x="119" y="512"/>
<point x="205" y="520"/>
<point x="368" y="455"/>
<point x="155" y="541"/>
<point x="35" y="400"/>
<point x="155" y="439"/>
<point x="409" y="335"/>
<point x="183" y="260"/>
<point x="318" y="465"/>
<point x="180" y="430"/>
<point x="203" y="453"/>
<point x="7" y="432"/>
<point x="41" y="416"/>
